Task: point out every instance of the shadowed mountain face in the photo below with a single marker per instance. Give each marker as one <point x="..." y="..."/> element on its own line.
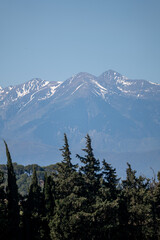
<point x="121" y="115"/>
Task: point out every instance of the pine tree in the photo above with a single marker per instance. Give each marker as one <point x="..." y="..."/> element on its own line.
<point x="135" y="207"/>
<point x="107" y="203"/>
<point x="65" y="222"/>
<point x="65" y="169"/>
<point x="110" y="181"/>
<point x="66" y="154"/>
<point x="12" y="198"/>
<point x="90" y="171"/>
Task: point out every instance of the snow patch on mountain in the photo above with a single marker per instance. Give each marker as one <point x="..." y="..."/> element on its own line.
<point x="80" y="85"/>
<point x="156" y="84"/>
<point x="22" y="92"/>
<point x="101" y="87"/>
<point x="72" y="78"/>
<point x="124" y="82"/>
<point x="100" y="90"/>
<point x="45" y="83"/>
<point x="123" y="90"/>
<point x="29" y="87"/>
<point x="77" y="88"/>
<point x="51" y="92"/>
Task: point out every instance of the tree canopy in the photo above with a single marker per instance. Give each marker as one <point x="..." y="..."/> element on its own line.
<point x="71" y="201"/>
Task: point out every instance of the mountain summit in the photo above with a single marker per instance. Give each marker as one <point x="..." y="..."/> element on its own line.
<point x="121" y="115"/>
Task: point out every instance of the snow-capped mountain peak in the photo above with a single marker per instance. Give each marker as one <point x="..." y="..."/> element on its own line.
<point x="120" y="114"/>
<point x="23" y="94"/>
<point x="80" y="85"/>
<point x="31" y="86"/>
<point x="109" y="83"/>
<point x="112" y="75"/>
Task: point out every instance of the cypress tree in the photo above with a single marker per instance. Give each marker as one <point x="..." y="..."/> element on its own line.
<point x="33" y="212"/>
<point x="12" y="198"/>
<point x="35" y="196"/>
<point x="49" y="195"/>
<point x="3" y="210"/>
<point x="49" y="205"/>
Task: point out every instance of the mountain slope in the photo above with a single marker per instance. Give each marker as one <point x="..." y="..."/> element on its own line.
<point x="120" y="114"/>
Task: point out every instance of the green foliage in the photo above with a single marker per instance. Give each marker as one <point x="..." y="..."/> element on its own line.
<point x="34" y="196"/>
<point x="64" y="201"/>
<point x="67" y="196"/>
<point x="12" y="199"/>
<point x="24" y="175"/>
<point x="109" y="181"/>
<point x="90" y="171"/>
<point x="91" y="176"/>
<point x="33" y="210"/>
<point x="136" y="205"/>
<point x="107" y="203"/>
<point x="155" y="203"/>
<point x="49" y="195"/>
<point x="3" y="209"/>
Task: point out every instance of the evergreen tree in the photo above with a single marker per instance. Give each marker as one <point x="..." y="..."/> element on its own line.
<point x="3" y="210"/>
<point x="49" y="195"/>
<point x="90" y="171"/>
<point x="49" y="205"/>
<point x="13" y="199"/>
<point x="110" y="181"/>
<point x="65" y="222"/>
<point x="157" y="195"/>
<point x="64" y="174"/>
<point x="33" y="211"/>
<point x="83" y="204"/>
<point x="135" y="207"/>
<point x="107" y="203"/>
<point x="35" y="196"/>
<point x="66" y="154"/>
<point x="155" y="201"/>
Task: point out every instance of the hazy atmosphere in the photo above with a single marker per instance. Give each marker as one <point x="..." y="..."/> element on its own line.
<point x="55" y="39"/>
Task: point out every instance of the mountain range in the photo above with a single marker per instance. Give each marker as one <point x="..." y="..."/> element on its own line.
<point x="121" y="115"/>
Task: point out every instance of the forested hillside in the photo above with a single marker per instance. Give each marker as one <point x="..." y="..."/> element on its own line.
<point x="85" y="202"/>
<point x="24" y="175"/>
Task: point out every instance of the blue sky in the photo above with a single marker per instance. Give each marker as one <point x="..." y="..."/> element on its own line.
<point x="54" y="39"/>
